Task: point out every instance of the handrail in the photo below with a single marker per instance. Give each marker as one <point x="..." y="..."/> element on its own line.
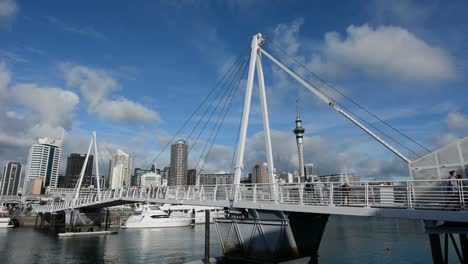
<point x="431" y="194"/>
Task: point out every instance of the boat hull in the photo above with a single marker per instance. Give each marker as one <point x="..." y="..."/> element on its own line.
<point x="5" y="222"/>
<point x="135" y="222"/>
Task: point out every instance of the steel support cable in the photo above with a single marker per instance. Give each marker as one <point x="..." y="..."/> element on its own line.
<point x="347" y="97"/>
<point x="217" y="131"/>
<point x="360" y="118"/>
<point x="223" y="99"/>
<point x="224" y="115"/>
<point x="240" y="61"/>
<point x="194" y="112"/>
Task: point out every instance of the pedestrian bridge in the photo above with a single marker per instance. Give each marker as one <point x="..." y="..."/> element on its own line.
<point x="426" y="200"/>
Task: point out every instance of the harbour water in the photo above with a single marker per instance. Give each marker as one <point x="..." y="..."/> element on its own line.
<point x="346" y="240"/>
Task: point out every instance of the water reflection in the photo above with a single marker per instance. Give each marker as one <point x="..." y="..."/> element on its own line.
<point x="346" y="240"/>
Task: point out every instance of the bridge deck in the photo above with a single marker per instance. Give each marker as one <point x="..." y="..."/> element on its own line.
<point x="428" y="200"/>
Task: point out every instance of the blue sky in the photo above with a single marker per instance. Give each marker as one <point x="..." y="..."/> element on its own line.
<point x="134" y="71"/>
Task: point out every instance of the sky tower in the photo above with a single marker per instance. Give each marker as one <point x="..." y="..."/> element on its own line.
<point x="299" y="132"/>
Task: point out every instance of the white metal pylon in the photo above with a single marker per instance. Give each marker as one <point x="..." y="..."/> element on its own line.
<point x="255" y="62"/>
<point x="83" y="169"/>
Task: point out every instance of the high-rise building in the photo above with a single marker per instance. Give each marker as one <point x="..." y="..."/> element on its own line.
<point x="260" y="173"/>
<point x="179" y="158"/>
<point x="120" y="170"/>
<point x="309" y="170"/>
<point x="75" y="163"/>
<point x="43" y="161"/>
<point x="10" y="179"/>
<point x="191" y="177"/>
<point x="299" y="132"/>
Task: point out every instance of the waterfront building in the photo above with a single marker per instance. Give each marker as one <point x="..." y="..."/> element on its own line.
<point x="150" y="179"/>
<point x="43" y="161"/>
<point x="179" y="159"/>
<point x="120" y="170"/>
<point x="138" y="172"/>
<point x="260" y="173"/>
<point x="216" y="178"/>
<point x="75" y="163"/>
<point x="340" y="177"/>
<point x="36" y="186"/>
<point x="165" y="173"/>
<point x="11" y="178"/>
<point x="285" y="177"/>
<point x="191" y="177"/>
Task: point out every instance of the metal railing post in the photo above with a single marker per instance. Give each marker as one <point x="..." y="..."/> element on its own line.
<point x="255" y="193"/>
<point x="157" y="192"/>
<point x="301" y="193"/>
<point x="201" y="192"/>
<point x="409" y="189"/>
<point x="462" y="191"/>
<point x="366" y="194"/>
<point x="187" y="197"/>
<point x="215" y="191"/>
<point x="330" y="193"/>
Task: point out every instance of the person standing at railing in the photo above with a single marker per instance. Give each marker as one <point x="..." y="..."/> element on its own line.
<point x="319" y="190"/>
<point x="309" y="191"/>
<point x="454" y="188"/>
<point x="345" y="191"/>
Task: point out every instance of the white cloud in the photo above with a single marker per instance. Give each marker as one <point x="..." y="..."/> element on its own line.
<point x="97" y="86"/>
<point x="386" y="50"/>
<point x="457" y="121"/>
<point x="31" y="112"/>
<point x="123" y="109"/>
<point x="8" y="8"/>
<point x="54" y="106"/>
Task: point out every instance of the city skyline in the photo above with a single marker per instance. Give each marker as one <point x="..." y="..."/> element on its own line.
<point x="141" y="100"/>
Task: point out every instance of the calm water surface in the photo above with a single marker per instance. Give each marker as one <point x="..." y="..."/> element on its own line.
<point x="346" y="240"/>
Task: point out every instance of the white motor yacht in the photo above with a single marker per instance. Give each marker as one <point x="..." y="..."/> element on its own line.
<point x="5" y="221"/>
<point x="151" y="216"/>
<point x="193" y="211"/>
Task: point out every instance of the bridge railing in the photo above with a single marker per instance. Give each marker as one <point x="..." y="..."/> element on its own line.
<point x="431" y="194"/>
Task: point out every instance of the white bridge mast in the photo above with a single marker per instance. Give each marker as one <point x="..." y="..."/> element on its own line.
<point x="83" y="169"/>
<point x="255" y="61"/>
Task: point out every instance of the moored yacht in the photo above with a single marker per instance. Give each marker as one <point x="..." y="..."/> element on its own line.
<point x="151" y="216"/>
<point x="4" y="220"/>
<point x="193" y="211"/>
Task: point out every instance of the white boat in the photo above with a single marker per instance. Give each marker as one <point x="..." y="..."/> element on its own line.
<point x="193" y="211"/>
<point x="151" y="216"/>
<point x="5" y="221"/>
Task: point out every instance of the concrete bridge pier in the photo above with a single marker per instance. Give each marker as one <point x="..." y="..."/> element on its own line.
<point x="86" y="220"/>
<point x="263" y="236"/>
<point x="74" y="220"/>
<point x="450" y="233"/>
